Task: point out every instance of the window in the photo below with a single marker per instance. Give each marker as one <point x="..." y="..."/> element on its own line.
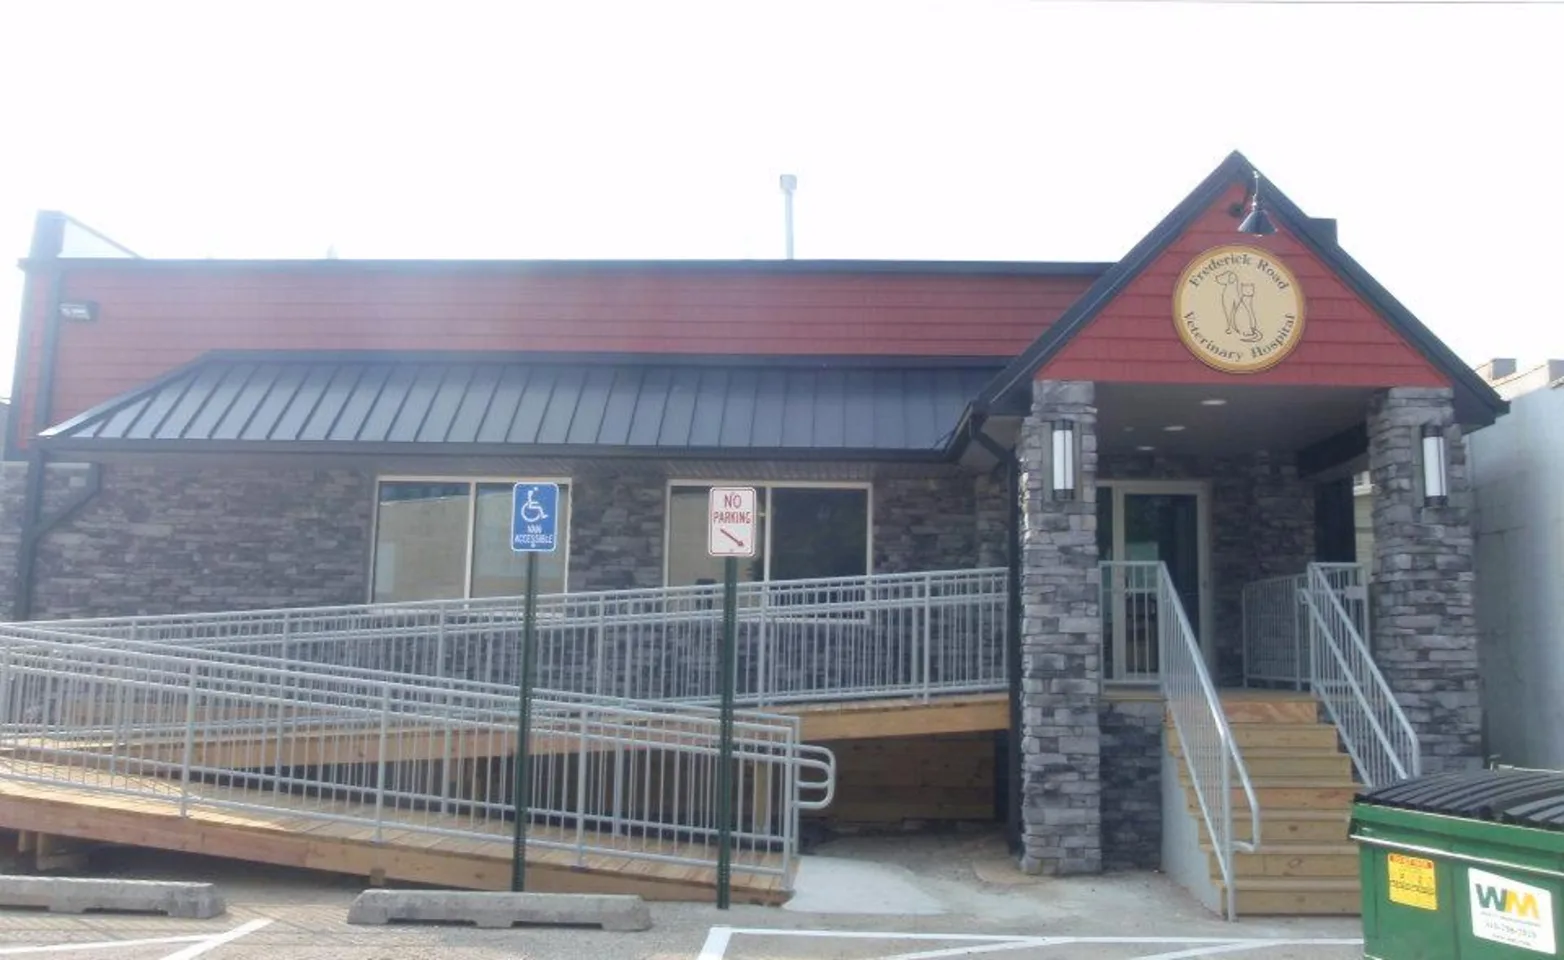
<point x="805" y="532"/>
<point x="450" y="539"/>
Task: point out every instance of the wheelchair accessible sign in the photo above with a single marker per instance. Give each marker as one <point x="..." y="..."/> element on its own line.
<point x="534" y="518"/>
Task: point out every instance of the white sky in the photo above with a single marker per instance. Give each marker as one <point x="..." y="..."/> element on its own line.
<point x="965" y="130"/>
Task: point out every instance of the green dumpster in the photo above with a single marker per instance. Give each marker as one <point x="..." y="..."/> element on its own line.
<point x="1463" y="866"/>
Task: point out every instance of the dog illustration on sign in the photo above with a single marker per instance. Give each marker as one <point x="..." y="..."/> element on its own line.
<point x="1238" y="297"/>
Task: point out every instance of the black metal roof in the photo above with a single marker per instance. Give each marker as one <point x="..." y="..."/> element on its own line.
<point x="303" y="402"/>
<point x="1528" y="798"/>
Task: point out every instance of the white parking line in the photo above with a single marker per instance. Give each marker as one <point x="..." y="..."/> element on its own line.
<point x="985" y="948"/>
<point x="720" y="938"/>
<point x="243" y="930"/>
<point x="98" y="945"/>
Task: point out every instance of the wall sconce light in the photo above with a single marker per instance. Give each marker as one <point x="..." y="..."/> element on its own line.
<point x="1436" y="485"/>
<point x="1257" y="223"/>
<point x="1064" y="460"/>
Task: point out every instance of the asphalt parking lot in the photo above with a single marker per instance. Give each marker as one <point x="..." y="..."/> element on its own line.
<point x="917" y="898"/>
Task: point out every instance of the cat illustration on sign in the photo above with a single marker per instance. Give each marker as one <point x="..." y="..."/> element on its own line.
<point x="1237" y="296"/>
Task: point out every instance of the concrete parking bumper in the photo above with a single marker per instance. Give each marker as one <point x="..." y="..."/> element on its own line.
<point x="197" y="901"/>
<point x="500" y="910"/>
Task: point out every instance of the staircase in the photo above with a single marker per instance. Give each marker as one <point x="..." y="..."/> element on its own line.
<point x="1305" y="865"/>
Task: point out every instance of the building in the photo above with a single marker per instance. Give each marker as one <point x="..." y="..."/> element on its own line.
<point x="1517" y="475"/>
<point x="214" y="435"/>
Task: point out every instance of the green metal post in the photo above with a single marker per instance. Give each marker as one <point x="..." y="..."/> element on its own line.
<point x="518" y="870"/>
<point x="730" y="589"/>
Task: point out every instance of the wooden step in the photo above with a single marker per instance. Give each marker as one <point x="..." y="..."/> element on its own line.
<point x="1291" y="793"/>
<point x="1314" y="860"/>
<point x="1311" y="736"/>
<point x="1285" y="826"/>
<point x="1289" y="709"/>
<point x="1320" y="764"/>
<point x="1295" y="897"/>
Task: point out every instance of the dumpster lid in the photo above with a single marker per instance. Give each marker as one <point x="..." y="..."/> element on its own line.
<point x="1528" y="798"/>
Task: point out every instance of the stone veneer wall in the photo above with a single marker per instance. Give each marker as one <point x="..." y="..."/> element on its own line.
<point x="179" y="539"/>
<point x="1131" y="784"/>
<point x="616" y="527"/>
<point x="1262" y="525"/>
<point x="176" y="537"/>
<point x="993" y="520"/>
<point x="1424" y="622"/>
<point x="1061" y="652"/>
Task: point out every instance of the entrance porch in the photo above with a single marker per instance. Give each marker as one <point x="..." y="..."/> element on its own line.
<point x="1150" y="512"/>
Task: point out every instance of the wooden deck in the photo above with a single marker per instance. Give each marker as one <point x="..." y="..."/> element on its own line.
<point x="296" y="838"/>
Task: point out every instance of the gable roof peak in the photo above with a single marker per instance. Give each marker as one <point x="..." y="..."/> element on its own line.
<point x="1476" y="402"/>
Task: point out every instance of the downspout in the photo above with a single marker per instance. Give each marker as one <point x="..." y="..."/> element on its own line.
<point x="33" y="524"/>
<point x="1013" y="653"/>
<point x="37" y="460"/>
<point x="1013" y="610"/>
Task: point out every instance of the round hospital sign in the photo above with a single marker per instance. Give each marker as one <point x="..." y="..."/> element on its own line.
<point x="1238" y="309"/>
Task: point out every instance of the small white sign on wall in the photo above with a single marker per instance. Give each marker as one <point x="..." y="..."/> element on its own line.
<point x="731" y="522"/>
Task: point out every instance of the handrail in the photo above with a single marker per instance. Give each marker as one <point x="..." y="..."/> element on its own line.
<point x="1211" y="754"/>
<point x="884" y="635"/>
<point x="1276" y="625"/>
<point x="1378" y="736"/>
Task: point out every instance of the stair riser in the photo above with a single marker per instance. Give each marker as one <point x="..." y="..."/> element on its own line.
<point x="1285" y="798"/>
<point x="1281" y="830"/>
<point x="1312" y="903"/>
<point x="1332" y="767"/>
<point x="1310" y="865"/>
<point x="1311" y="737"/>
<point x="1271" y="711"/>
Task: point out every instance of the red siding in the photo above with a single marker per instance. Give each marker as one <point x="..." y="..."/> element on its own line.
<point x="1345" y="342"/>
<point x="153" y="318"/>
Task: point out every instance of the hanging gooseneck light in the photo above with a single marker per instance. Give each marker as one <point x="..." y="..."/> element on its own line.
<point x="1257" y="223"/>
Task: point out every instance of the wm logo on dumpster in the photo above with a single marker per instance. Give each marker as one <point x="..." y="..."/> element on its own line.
<point x="1507" y="901"/>
<point x="1505" y="910"/>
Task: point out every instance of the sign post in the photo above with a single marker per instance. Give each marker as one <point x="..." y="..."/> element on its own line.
<point x="731" y="535"/>
<point x="534" y="529"/>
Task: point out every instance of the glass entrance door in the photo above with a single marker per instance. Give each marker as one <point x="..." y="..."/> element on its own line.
<point x="1145" y="523"/>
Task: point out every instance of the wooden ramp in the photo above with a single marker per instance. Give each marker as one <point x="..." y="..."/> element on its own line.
<point x="307" y="838"/>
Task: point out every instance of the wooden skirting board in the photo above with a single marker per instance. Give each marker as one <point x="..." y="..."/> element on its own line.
<point x="870" y="719"/>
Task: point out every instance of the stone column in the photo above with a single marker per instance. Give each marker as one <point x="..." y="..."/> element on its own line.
<point x="1061" y="652"/>
<point x="1424" y="623"/>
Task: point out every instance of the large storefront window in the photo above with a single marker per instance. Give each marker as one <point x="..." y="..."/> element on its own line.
<point x="450" y="539"/>
<point x="805" y="532"/>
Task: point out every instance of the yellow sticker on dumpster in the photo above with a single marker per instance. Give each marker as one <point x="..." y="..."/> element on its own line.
<point x="1412" y="882"/>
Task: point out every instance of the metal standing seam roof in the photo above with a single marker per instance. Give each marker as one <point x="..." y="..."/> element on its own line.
<point x="305" y="402"/>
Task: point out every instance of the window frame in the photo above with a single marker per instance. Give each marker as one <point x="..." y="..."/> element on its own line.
<point x="767" y="486"/>
<point x="473" y="483"/>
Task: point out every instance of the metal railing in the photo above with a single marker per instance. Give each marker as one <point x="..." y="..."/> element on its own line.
<point x="1133" y="618"/>
<point x="196" y="729"/>
<point x="916" y="634"/>
<point x="1276" y="626"/>
<point x="1342" y="673"/>
<point x="1211" y="755"/>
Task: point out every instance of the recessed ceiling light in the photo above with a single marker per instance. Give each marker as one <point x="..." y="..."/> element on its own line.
<point x="1174" y="428"/>
<point x="1213" y="402"/>
<point x="1129" y="429"/>
<point x="1145" y="449"/>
